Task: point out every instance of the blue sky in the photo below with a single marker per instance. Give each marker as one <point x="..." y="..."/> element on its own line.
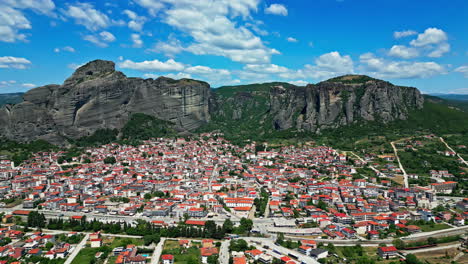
<point x="226" y="42"/>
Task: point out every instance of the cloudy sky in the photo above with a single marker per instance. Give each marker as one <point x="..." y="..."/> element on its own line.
<point x="227" y="42"/>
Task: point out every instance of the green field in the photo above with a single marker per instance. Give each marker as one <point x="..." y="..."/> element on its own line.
<point x="85" y="256"/>
<point x="435" y="227"/>
<point x="182" y="255"/>
<point x="124" y="241"/>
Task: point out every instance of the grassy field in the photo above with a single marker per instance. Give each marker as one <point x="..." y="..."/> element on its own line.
<point x="123" y="242"/>
<point x="182" y="255"/>
<point x="85" y="255"/>
<point x="436" y="227"/>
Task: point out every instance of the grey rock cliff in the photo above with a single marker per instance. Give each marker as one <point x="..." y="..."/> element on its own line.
<point x="335" y="104"/>
<point x="96" y="96"/>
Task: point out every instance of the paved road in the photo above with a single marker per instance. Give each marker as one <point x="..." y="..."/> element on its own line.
<point x="399" y="164"/>
<point x="224" y="252"/>
<point x="282" y="250"/>
<point x="77" y="250"/>
<point x="430" y="249"/>
<point x="451" y="149"/>
<point x="157" y="251"/>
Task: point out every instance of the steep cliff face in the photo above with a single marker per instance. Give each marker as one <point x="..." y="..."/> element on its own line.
<point x="96" y="96"/>
<point x="334" y="103"/>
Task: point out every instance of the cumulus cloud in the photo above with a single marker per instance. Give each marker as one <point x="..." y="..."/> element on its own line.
<point x="14" y="62"/>
<point x="14" y="86"/>
<point x="434" y="41"/>
<point x="136" y="22"/>
<point x="382" y="68"/>
<point x="405" y="33"/>
<point x="13" y="20"/>
<point x="299" y="82"/>
<point x="211" y="25"/>
<point x="86" y="15"/>
<point x="66" y="48"/>
<point x="404" y="52"/>
<point x="325" y="66"/>
<point x="137" y="42"/>
<point x="463" y="70"/>
<point x="265" y="68"/>
<point x="153" y="66"/>
<point x="169" y="48"/>
<point x="291" y="39"/>
<point x="153" y="6"/>
<point x="277" y="9"/>
<point x="430" y="36"/>
<point x="101" y="40"/>
<point x="45" y="7"/>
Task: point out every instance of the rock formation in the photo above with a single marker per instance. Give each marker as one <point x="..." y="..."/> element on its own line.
<point x="97" y="97"/>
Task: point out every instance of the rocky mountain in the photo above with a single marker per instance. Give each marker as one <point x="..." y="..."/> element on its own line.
<point x="97" y="96"/>
<point x="331" y="104"/>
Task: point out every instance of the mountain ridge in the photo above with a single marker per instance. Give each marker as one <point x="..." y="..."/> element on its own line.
<point x="96" y="96"/>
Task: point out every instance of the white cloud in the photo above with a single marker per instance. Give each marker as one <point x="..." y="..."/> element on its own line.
<point x="429" y="37"/>
<point x="404" y="52"/>
<point x="14" y="62"/>
<point x="66" y="48"/>
<point x="136" y="22"/>
<point x="277" y="9"/>
<point x="382" y="68"/>
<point x="291" y="39"/>
<point x="74" y="66"/>
<point x="153" y="66"/>
<point x="39" y="6"/>
<point x="11" y="22"/>
<point x="153" y="6"/>
<point x="12" y="86"/>
<point x="265" y="68"/>
<point x="176" y="76"/>
<point x="101" y="40"/>
<point x="211" y="25"/>
<point x="433" y="42"/>
<point x="84" y="14"/>
<point x="170" y="48"/>
<point x="137" y="42"/>
<point x="439" y="50"/>
<point x="463" y="70"/>
<point x="299" y="82"/>
<point x="107" y="36"/>
<point x="28" y="85"/>
<point x="405" y="33"/>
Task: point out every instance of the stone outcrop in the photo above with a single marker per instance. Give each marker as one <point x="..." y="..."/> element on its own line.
<point x="97" y="96"/>
<point x="331" y="104"/>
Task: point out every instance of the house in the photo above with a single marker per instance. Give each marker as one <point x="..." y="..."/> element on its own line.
<point x="167" y="259"/>
<point x="184" y="243"/>
<point x="95" y="243"/>
<point x="207" y="243"/>
<point x="305" y="250"/>
<point x="387" y="252"/>
<point x="413" y="229"/>
<point x="207" y="252"/>
<point x="239" y="260"/>
<point x="254" y="253"/>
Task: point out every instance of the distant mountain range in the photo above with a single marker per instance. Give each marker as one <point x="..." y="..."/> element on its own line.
<point x="11" y="98"/>
<point x="456" y="97"/>
<point x="96" y="98"/>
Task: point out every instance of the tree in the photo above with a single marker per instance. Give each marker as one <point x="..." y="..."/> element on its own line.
<point x="110" y="160"/>
<point x="280" y="239"/>
<point x="228" y="226"/>
<point x="412" y="259"/>
<point x="398" y="243"/>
